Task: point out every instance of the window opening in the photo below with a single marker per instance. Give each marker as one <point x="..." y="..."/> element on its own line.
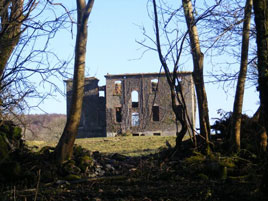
<point x="157" y="134"/>
<point x="155" y="110"/>
<point x="135" y="98"/>
<point x="117" y="87"/>
<point x="101" y="94"/>
<point x="178" y="84"/>
<point x="135" y="119"/>
<point x="154" y="84"/>
<point x="135" y="134"/>
<point x="118" y="114"/>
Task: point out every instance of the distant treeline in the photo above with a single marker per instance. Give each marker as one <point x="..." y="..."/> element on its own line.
<point x="46" y="127"/>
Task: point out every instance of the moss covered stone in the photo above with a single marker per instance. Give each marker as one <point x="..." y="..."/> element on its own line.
<point x="195" y="159"/>
<point x="72" y="177"/>
<point x="69" y="167"/>
<point x="227" y="162"/>
<point x="85" y="162"/>
<point x="10" y="137"/>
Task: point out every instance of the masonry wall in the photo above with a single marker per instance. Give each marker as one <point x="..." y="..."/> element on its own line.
<point x="147" y="98"/>
<point x="93" y="120"/>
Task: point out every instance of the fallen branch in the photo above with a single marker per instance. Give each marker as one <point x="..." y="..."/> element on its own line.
<point x="37" y="186"/>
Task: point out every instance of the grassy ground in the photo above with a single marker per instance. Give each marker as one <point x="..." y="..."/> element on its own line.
<point x="187" y="175"/>
<point x="129" y="146"/>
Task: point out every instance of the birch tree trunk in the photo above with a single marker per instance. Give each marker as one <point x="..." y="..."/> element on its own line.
<point x="64" y="148"/>
<point x="198" y="58"/>
<point x="238" y="102"/>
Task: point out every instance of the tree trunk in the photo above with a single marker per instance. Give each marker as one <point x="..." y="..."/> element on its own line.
<point x="64" y="148"/>
<point x="179" y="111"/>
<point x="11" y="15"/>
<point x="198" y="58"/>
<point x="261" y="21"/>
<point x="261" y="135"/>
<point x="238" y="102"/>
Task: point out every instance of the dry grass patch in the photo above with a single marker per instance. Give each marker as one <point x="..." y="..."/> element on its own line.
<point x="129" y="146"/>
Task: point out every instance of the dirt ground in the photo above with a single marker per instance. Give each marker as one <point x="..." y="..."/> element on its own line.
<point x="155" y="177"/>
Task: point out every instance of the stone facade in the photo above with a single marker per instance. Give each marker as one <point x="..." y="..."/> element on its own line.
<point x="132" y="103"/>
<point x="92" y="122"/>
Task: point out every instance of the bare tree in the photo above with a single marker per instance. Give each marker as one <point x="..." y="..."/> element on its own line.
<point x="223" y="33"/>
<point x="64" y="148"/>
<point x="198" y="59"/>
<point x="180" y="110"/>
<point x="238" y="103"/>
<point x="225" y="27"/>
<point x="172" y="41"/>
<point x="13" y="14"/>
<point x="24" y="40"/>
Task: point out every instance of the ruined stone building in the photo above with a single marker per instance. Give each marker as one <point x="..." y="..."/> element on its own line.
<point x="131" y="103"/>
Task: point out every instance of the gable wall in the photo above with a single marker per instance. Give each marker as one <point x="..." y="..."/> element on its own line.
<point x="147" y="98"/>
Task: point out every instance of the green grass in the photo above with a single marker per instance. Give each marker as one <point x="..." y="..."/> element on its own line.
<point x="129" y="146"/>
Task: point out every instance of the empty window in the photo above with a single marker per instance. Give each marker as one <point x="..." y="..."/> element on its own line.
<point x="117" y="87"/>
<point x="101" y="94"/>
<point x="178" y="84"/>
<point x="155" y="111"/>
<point x="135" y="119"/>
<point x="135" y="134"/>
<point x="157" y="134"/>
<point x="135" y="98"/>
<point x="154" y="84"/>
<point x="118" y="114"/>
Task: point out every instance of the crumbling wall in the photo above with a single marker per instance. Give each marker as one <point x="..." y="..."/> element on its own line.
<point x="117" y="112"/>
<point x="93" y="118"/>
<point x="164" y="123"/>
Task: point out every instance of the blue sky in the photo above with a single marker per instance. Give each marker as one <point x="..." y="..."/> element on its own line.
<point x="112" y="30"/>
